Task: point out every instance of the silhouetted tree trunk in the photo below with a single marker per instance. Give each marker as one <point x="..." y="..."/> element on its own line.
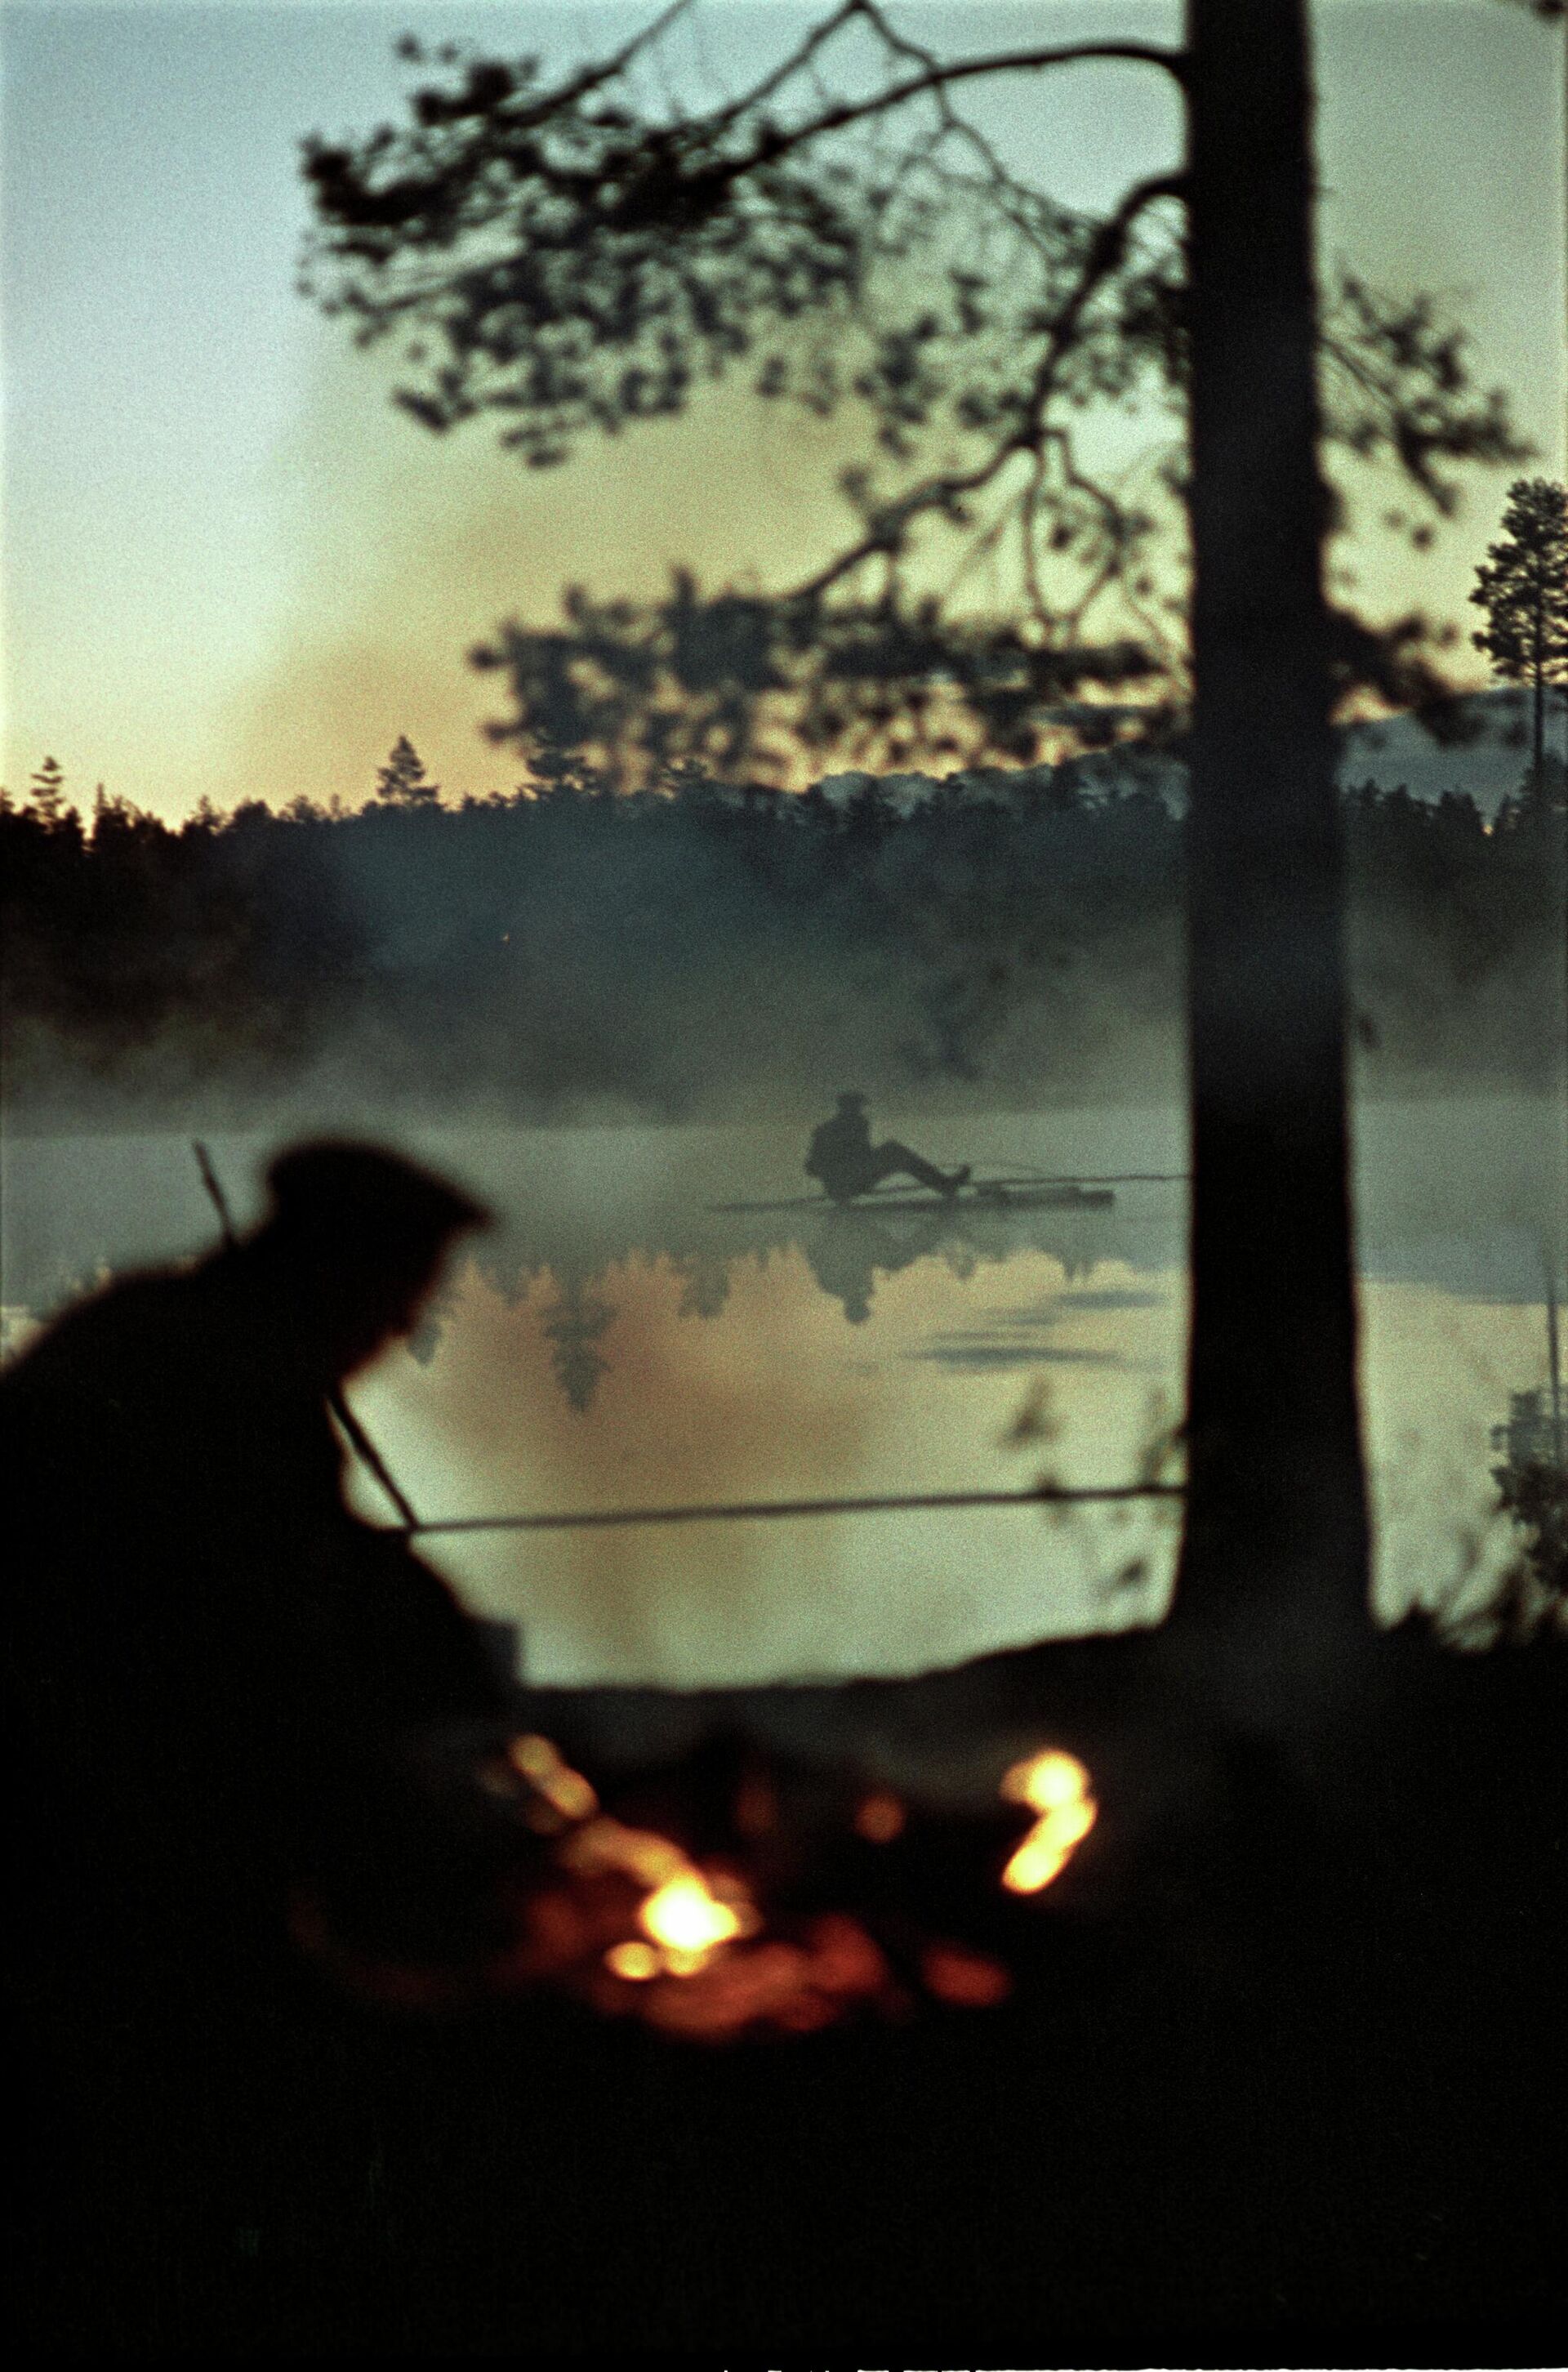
<point x="1277" y="1491"/>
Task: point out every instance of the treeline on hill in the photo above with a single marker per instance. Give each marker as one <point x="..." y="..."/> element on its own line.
<point x="711" y="951"/>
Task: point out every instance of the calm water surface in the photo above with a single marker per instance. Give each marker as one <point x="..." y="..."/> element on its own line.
<point x="616" y="1342"/>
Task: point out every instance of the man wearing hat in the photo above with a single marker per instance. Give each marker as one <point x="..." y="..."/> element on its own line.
<point x="219" y="1672"/>
<point x="239" y="1715"/>
<point x="845" y="1161"/>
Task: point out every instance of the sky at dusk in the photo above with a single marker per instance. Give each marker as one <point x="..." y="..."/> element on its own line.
<point x="230" y="568"/>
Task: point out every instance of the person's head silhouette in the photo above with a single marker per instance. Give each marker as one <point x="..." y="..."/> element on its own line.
<point x="354" y="1239"/>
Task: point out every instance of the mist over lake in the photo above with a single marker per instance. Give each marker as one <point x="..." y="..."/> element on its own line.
<point x="723" y="953"/>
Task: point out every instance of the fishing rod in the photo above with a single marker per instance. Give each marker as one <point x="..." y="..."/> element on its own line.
<point x="747" y="1510"/>
<point x="359" y="1441"/>
<point x="1086" y="1177"/>
<point x="1020" y="1176"/>
<point x="977" y="1194"/>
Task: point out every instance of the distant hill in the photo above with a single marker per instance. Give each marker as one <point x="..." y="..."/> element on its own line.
<point x="1486" y="768"/>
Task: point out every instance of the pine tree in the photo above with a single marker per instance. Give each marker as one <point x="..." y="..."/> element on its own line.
<point x="402" y="780"/>
<point x="47" y="793"/>
<point x="1523" y="586"/>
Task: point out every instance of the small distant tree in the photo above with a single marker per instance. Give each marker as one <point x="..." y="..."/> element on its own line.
<point x="1523" y="586"/>
<point x="46" y="793"/>
<point x="402" y="780"/>
<point x="107" y="814"/>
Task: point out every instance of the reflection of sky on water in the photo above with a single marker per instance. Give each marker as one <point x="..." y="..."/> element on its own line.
<point x="1026" y="1338"/>
<point x="616" y="1343"/>
<point x="779" y="1398"/>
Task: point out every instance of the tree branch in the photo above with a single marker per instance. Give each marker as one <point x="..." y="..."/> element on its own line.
<point x="940" y="492"/>
<point x="940" y="77"/>
<point x="573" y="263"/>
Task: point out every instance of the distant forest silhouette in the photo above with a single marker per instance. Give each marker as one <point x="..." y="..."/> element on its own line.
<point x="708" y="950"/>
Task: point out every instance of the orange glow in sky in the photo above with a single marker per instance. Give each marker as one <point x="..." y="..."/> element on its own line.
<point x="233" y="570"/>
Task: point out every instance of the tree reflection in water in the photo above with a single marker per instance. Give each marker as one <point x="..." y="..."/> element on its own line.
<point x="846" y="1253"/>
<point x="573" y="1326"/>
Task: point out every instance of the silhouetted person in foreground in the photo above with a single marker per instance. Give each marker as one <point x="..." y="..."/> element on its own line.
<point x="224" y="1682"/>
<point x="247" y="1722"/>
<point x="843" y="1157"/>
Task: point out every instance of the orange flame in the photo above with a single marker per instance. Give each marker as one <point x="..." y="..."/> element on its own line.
<point x="566" y="1790"/>
<point x="793" y="1988"/>
<point x="688" y="1919"/>
<point x="638" y="1853"/>
<point x="635" y="1962"/>
<point x="684" y="1917"/>
<point x="1055" y="1786"/>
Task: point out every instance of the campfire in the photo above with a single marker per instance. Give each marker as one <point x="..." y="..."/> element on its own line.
<point x="775" y="1915"/>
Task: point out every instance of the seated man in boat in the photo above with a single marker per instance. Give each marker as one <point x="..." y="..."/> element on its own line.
<point x="845" y="1161"/>
<point x="221" y="1675"/>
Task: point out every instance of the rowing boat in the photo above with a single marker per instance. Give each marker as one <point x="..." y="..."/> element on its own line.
<point x="981" y="1196"/>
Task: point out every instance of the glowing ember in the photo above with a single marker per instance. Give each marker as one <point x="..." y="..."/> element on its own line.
<point x="1056" y="1786"/>
<point x="566" y="1790"/>
<point x="637" y="1854"/>
<point x="967" y="1980"/>
<point x="790" y="1988"/>
<point x="684" y="1916"/>
<point x="879" y="1817"/>
<point x="635" y="1962"/>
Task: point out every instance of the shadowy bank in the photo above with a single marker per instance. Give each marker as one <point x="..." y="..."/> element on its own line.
<point x="1289" y="2092"/>
<point x="711" y="952"/>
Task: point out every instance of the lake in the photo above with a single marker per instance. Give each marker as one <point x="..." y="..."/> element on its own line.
<point x="617" y="1342"/>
